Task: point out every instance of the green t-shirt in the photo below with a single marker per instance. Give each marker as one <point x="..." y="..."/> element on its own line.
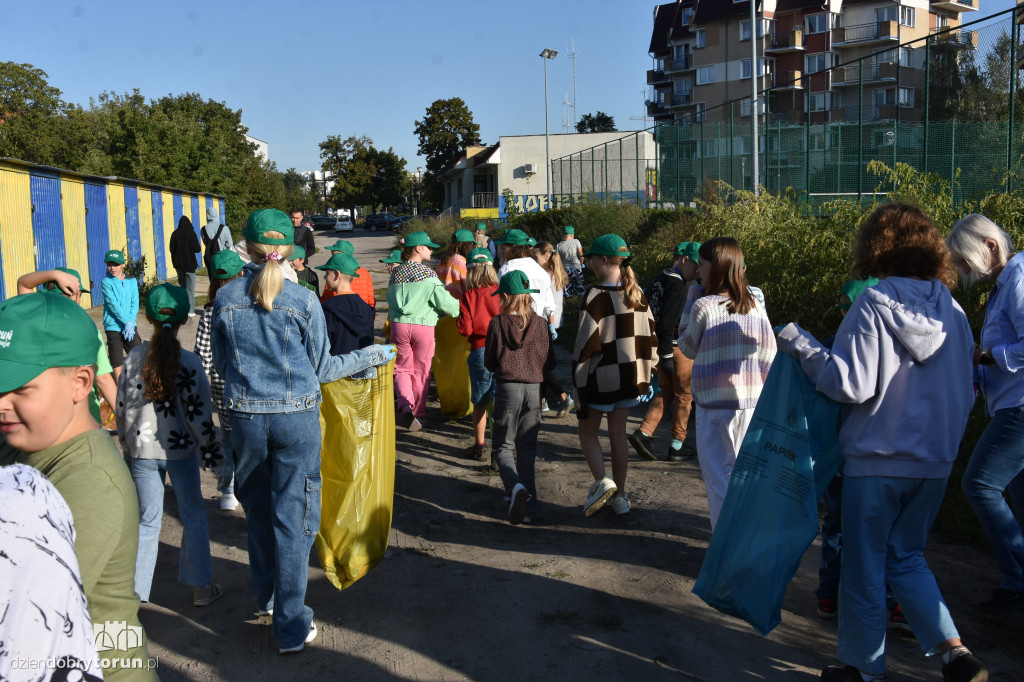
<point x="94" y="481"/>
<point x="102" y="367"/>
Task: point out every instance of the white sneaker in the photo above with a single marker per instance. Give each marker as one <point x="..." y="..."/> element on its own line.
<point x="309" y="638"/>
<point x="620" y="504"/>
<point x="228" y="502"/>
<point x="598" y="494"/>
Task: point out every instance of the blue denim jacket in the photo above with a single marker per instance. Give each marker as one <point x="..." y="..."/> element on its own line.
<point x="274" y="361"/>
<point x="1003" y="333"/>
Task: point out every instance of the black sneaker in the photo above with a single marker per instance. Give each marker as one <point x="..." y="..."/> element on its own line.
<point x="834" y="673"/>
<point x="517" y="506"/>
<point x="475" y="452"/>
<point x="1003" y="601"/>
<point x="406" y="419"/>
<point x="964" y="668"/>
<point x="685" y="452"/>
<point x="642" y="444"/>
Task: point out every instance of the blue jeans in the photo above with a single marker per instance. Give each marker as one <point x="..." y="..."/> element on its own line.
<point x="194" y="564"/>
<point x="228" y="452"/>
<point x="277" y="480"/>
<point x="831" y="540"/>
<point x="516" y="427"/>
<point x="885" y="525"/>
<point x="997" y="465"/>
<point x="481" y="380"/>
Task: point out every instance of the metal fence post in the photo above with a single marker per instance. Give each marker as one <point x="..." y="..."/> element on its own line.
<point x="807" y="139"/>
<point x="1013" y="95"/>
<point x="860" y="132"/>
<point x="732" y="151"/>
<point x="927" y="94"/>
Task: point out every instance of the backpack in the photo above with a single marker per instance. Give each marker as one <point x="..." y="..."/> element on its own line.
<point x="210" y="247"/>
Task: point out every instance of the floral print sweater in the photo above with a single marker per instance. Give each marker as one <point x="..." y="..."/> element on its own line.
<point x="174" y="429"/>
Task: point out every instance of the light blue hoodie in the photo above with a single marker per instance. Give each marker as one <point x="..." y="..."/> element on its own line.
<point x="902" y="360"/>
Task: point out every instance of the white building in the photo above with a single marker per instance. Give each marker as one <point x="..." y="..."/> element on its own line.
<point x="262" y="148"/>
<point x="473" y="185"/>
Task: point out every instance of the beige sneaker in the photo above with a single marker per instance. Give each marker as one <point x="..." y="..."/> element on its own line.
<point x="598" y="494"/>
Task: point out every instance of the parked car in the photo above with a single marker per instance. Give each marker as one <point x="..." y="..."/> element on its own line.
<point x="381" y="221"/>
<point x="403" y="219"/>
<point x="344" y="225"/>
<point x="324" y="222"/>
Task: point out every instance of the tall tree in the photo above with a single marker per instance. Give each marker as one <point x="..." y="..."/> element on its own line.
<point x="446" y="130"/>
<point x="344" y="162"/>
<point x="598" y="122"/>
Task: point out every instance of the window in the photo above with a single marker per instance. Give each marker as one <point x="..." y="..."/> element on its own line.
<point x="818" y="101"/>
<point x="745" y="69"/>
<point x="745" y="107"/>
<point x="822" y="61"/>
<point x="763" y="27"/>
<point x="701" y="37"/>
<point x="709" y="149"/>
<point x="705" y="75"/>
<point x="905" y="15"/>
<point x="687" y="15"/>
<point x="763" y="68"/>
<point x="941" y="21"/>
<point x="699" y="114"/>
<point x="890" y="56"/>
<point x="885" y="14"/>
<point x="682" y="86"/>
<point x="907" y="98"/>
<point x="888" y="96"/>
<point x="820" y="23"/>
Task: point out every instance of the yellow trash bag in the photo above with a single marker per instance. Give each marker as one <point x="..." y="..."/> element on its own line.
<point x="357" y="467"/>
<point x="451" y="373"/>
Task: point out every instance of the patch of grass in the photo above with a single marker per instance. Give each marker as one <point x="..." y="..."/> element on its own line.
<point x="489" y="470"/>
<point x="558" y="575"/>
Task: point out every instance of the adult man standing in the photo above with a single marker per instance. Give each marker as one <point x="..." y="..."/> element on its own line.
<point x="303" y="234"/>
<point x="216" y="237"/>
<point x="184" y="246"/>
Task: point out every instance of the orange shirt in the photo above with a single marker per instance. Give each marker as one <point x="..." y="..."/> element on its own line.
<point x="361" y="285"/>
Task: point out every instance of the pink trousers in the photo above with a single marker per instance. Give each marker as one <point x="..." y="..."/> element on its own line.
<point x="415" y="345"/>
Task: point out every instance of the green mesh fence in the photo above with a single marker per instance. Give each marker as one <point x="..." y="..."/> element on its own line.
<point x="942" y="104"/>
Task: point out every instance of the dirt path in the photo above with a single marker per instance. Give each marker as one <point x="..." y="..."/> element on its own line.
<point x="461" y="595"/>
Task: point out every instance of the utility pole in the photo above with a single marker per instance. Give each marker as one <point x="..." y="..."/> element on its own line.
<point x="754" y="174"/>
<point x="545" y="55"/>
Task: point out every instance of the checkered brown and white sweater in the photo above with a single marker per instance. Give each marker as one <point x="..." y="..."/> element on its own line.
<point x="616" y="348"/>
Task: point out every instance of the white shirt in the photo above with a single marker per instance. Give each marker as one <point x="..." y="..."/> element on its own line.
<point x="543" y="302"/>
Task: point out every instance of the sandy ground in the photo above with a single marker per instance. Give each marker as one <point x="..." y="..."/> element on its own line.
<point x="462" y="595"/>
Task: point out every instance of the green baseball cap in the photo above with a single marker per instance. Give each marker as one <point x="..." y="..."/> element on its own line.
<point x="515" y="282"/>
<point x="341" y="262"/>
<point x="113" y="256"/>
<point x="39" y="331"/>
<point x="77" y="276"/>
<point x="463" y="235"/>
<point x="167" y="296"/>
<point x="394" y="257"/>
<point x="854" y="288"/>
<point x="419" y="238"/>
<point x="568" y="229"/>
<point x="481" y="227"/>
<point x="342" y="245"/>
<point x="297" y="252"/>
<point x="480" y="256"/>
<point x="608" y="245"/>
<point x="265" y="220"/>
<point x="688" y="249"/>
<point x="514" y="237"/>
<point x="226" y="264"/>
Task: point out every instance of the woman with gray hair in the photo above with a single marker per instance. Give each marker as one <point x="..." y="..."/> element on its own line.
<point x="983" y="251"/>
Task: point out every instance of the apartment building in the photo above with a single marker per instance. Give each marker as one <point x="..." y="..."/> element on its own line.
<point x="814" y="58"/>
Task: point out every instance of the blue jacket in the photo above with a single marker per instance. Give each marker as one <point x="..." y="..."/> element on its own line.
<point x="274" y="361"/>
<point x="120" y="302"/>
<point x="1003" y="334"/>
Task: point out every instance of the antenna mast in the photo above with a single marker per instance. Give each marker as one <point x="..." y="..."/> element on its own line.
<point x="572" y="56"/>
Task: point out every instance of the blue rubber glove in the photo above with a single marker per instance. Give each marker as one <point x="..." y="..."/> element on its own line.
<point x="390" y="353"/>
<point x="554" y="334"/>
<point x="647" y="396"/>
<point x="129" y="331"/>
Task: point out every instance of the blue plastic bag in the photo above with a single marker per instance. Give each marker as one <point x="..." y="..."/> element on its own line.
<point x="770" y="514"/>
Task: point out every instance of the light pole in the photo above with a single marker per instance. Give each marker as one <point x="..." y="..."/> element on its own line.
<point x="419" y="190"/>
<point x="755" y="176"/>
<point x="547" y="54"/>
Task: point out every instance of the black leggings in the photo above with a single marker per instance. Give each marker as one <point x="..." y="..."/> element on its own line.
<point x="551" y="389"/>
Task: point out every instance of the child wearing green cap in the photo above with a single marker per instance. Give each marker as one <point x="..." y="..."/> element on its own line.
<point x="517" y="254"/>
<point x="451" y="269"/>
<point x="516" y="341"/>
<point x="612" y="365"/>
<point x="164" y="423"/>
<point x="570" y="250"/>
<point x="547" y="257"/>
<point x="349" y="319"/>
<point x="305" y="275"/>
<point x="361" y="285"/>
<point x="477" y="308"/>
<point x="270" y="345"/>
<point x="416" y="298"/>
<point x="69" y="283"/>
<point x="120" y="309"/>
<point x="730" y="340"/>
<point x="225" y="265"/>
<point x="46" y="373"/>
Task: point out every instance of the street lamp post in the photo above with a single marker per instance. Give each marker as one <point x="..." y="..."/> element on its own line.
<point x="547" y="54"/>
<point x="419" y="190"/>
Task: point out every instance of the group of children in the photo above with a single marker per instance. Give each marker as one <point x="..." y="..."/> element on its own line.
<point x="266" y="344"/>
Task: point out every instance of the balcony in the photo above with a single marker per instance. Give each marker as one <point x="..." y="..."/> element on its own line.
<point x="656" y="108"/>
<point x="956" y="5"/>
<point x="884" y="112"/>
<point x="656" y="77"/>
<point x="866" y="34"/>
<point x="484" y="200"/>
<point x="793" y="41"/>
<point x="787" y="80"/>
<point x="684" y="63"/>
<point x="846" y="76"/>
<point x="957" y="37"/>
<point x="682" y="99"/>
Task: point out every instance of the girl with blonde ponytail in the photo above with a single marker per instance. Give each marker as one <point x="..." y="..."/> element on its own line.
<point x="611" y="367"/>
<point x="270" y="345"/>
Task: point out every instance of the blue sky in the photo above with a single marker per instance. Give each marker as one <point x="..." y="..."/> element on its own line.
<point x="303" y="70"/>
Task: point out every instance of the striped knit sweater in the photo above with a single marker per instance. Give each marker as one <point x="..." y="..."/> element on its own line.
<point x="731" y="353"/>
<point x="615" y="348"/>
